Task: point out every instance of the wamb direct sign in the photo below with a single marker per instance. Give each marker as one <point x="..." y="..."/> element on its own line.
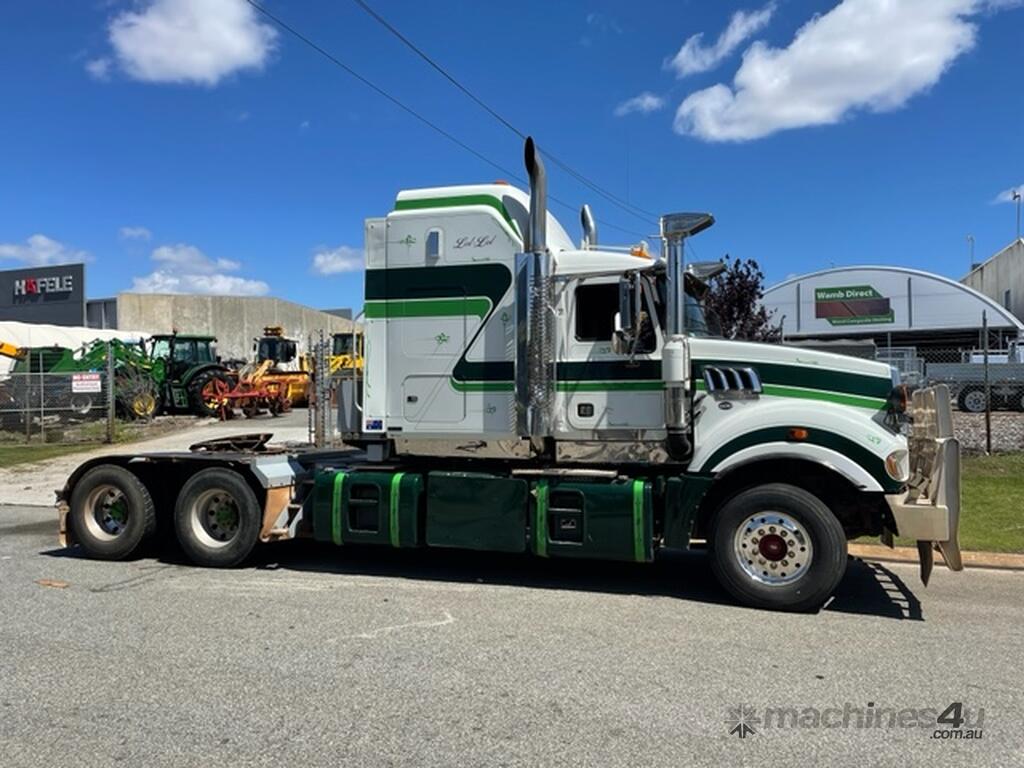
<point x="852" y="305"/>
<point x="53" y="295"/>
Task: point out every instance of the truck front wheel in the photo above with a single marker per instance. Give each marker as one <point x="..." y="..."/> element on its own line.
<point x="777" y="546"/>
<point x="217" y="518"/>
<point x="111" y="512"/>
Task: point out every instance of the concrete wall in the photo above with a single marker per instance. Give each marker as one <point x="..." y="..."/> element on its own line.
<point x="234" y="320"/>
<point x="1003" y="272"/>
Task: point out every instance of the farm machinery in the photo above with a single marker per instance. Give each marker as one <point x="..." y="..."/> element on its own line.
<point x="54" y="382"/>
<point x="346" y="352"/>
<point x="285" y="368"/>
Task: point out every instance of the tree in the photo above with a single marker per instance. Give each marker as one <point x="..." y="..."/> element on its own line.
<point x="734" y="298"/>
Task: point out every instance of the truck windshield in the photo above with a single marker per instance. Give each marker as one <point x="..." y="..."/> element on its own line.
<point x="342" y="344"/>
<point x="277" y="349"/>
<point x="694" y="317"/>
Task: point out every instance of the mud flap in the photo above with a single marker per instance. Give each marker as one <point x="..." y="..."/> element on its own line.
<point x="926" y="555"/>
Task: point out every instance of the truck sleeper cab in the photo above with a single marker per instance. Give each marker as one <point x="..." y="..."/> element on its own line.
<point x="522" y="394"/>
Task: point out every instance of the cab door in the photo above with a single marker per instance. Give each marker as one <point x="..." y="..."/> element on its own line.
<point x="602" y="391"/>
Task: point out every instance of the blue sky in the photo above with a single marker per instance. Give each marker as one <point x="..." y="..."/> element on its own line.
<point x="189" y="145"/>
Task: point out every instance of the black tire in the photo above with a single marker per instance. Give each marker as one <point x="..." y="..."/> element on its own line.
<point x="80" y="405"/>
<point x="756" y="512"/>
<point x="111" y="513"/>
<point x="1018" y="400"/>
<point x="971" y="400"/>
<point x="200" y="406"/>
<point x="203" y="518"/>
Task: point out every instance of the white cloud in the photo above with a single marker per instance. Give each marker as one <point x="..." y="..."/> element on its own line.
<point x="40" y="250"/>
<point x="695" y="57"/>
<point x="99" y="68"/>
<point x="331" y="261"/>
<point x="190" y="41"/>
<point x="184" y="268"/>
<point x="862" y="55"/>
<point x="162" y="281"/>
<point x="644" y="103"/>
<point x="1006" y="196"/>
<point x="134" y="233"/>
<point x="188" y="258"/>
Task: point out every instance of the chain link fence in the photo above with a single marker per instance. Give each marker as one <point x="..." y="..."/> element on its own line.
<point x="985" y="379"/>
<point x="336" y="393"/>
<point x="41" y="401"/>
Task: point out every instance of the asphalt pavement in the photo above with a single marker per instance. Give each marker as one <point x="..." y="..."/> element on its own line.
<point x="317" y="656"/>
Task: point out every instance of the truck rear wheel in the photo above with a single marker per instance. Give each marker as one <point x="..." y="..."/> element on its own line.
<point x="777" y="546"/>
<point x="217" y="518"/>
<point x="111" y="512"/>
<point x="972" y="400"/>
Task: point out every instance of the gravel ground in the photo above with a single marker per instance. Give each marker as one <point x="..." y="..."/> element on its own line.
<point x="1007" y="431"/>
<point x="34" y="483"/>
<point x="314" y="656"/>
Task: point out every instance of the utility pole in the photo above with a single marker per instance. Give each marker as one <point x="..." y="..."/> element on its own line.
<point x="1016" y="199"/>
<point x="970" y="252"/>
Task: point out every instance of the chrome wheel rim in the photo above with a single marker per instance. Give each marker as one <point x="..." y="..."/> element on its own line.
<point x="975" y="401"/>
<point x="106" y="512"/>
<point x="773" y="548"/>
<point x="214" y="518"/>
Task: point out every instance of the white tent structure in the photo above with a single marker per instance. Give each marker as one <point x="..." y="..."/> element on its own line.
<point x="42" y="335"/>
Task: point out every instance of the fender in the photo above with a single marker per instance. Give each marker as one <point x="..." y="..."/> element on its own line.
<point x="195" y="370"/>
<point x="826" y="457"/>
<point x="837" y="436"/>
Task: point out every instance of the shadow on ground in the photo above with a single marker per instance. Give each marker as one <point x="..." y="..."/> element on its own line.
<point x="868" y="588"/>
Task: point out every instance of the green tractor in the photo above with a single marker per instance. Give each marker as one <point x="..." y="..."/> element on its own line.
<point x="188" y="374"/>
<point x="42" y="374"/>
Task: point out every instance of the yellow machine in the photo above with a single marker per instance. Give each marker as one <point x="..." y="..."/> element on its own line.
<point x="285" y="369"/>
<point x="346" y="352"/>
<point x="11" y="351"/>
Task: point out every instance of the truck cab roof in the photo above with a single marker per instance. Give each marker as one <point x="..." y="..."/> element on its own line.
<point x="511" y="204"/>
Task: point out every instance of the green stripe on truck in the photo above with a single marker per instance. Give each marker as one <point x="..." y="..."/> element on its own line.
<point x="401" y="308"/>
<point x="639" y="550"/>
<point x="540" y="522"/>
<point x="458" y="201"/>
<point x="339" y="482"/>
<point x="393" y="501"/>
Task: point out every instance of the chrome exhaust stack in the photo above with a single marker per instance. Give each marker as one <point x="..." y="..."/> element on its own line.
<point x="534" y="371"/>
<point x="589" y="225"/>
<point x="675" y="357"/>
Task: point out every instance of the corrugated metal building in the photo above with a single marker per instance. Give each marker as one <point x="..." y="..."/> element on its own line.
<point x="1001" y="278"/>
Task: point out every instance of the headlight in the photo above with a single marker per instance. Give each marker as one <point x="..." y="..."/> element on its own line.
<point x="897" y="465"/>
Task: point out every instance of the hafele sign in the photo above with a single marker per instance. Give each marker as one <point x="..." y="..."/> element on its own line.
<point x="34" y="286"/>
<point x="852" y="305"/>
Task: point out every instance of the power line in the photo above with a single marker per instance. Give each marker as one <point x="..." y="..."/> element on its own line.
<point x="628" y="207"/>
<point x="426" y="121"/>
<point x="332" y="58"/>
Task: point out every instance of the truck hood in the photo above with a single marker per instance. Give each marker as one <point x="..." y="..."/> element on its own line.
<point x="799" y="372"/>
<point x="752" y="352"/>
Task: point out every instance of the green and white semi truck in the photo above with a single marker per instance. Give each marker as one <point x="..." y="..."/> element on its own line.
<point x="525" y="394"/>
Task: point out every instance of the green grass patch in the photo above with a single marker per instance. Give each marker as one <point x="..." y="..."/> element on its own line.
<point x="992" y="515"/>
<point x="993" y="503"/>
<point x="11" y="454"/>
